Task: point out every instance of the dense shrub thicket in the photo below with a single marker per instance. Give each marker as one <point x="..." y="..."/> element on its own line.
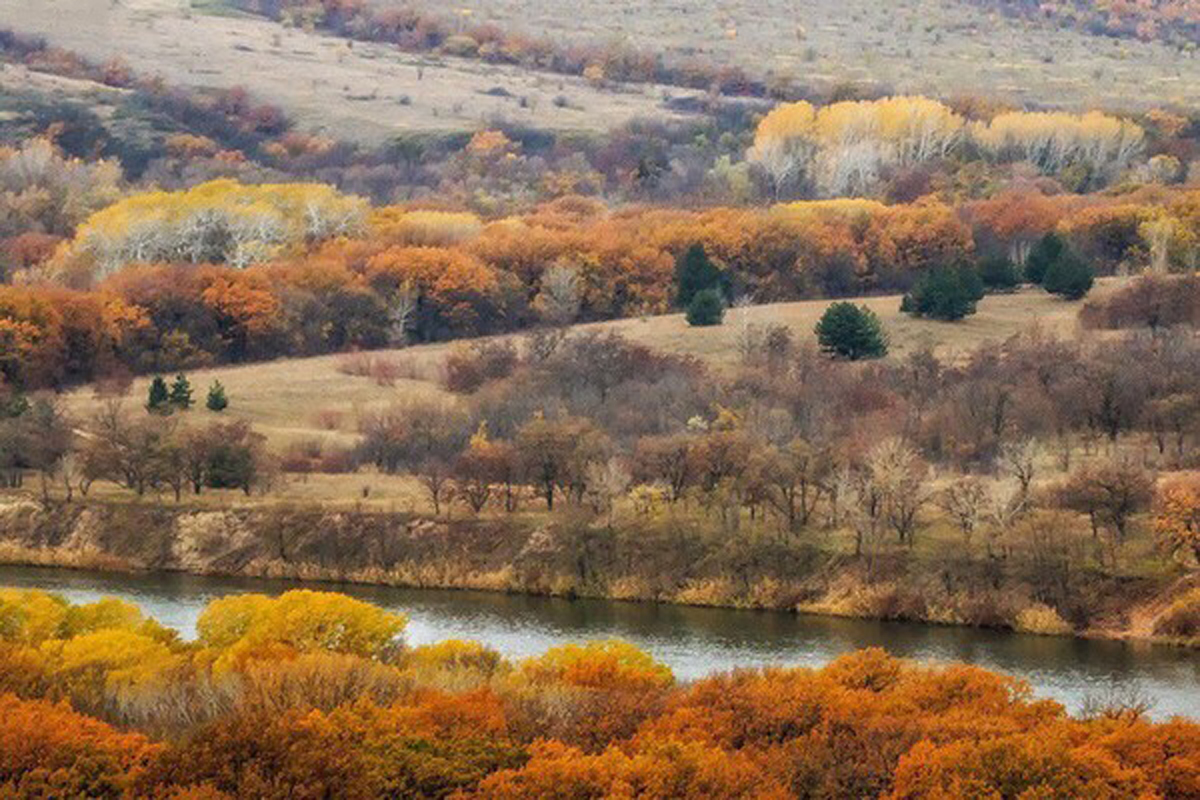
<point x="313" y="694"/>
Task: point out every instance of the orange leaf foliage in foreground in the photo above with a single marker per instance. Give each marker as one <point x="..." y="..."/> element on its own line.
<point x="312" y="695"/>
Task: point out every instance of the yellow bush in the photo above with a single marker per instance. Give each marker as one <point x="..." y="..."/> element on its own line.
<point x="108" y="612"/>
<point x="248" y="627"/>
<point x="1181" y="620"/>
<point x="1041" y="619"/>
<point x="599" y="663"/>
<point x="98" y="666"/>
<point x="29" y="616"/>
<point x="318" y="680"/>
<point x="455" y="654"/>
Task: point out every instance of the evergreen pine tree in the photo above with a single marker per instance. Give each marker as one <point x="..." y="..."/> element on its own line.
<point x="216" y="401"/>
<point x="706" y="309"/>
<point x="851" y="332"/>
<point x="159" y="399"/>
<point x="1048" y="250"/>
<point x="181" y="393"/>
<point x="945" y="293"/>
<point x="999" y="274"/>
<point x="1069" y="277"/>
<point x="694" y="273"/>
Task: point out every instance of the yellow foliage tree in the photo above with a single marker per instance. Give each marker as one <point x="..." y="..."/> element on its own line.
<point x="1055" y="140"/>
<point x="1177" y="517"/>
<point x="424" y="228"/>
<point x="843" y="148"/>
<point x="219" y="222"/>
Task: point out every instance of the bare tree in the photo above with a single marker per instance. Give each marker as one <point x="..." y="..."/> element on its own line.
<point x="606" y="483"/>
<point x="1006" y="505"/>
<point x="1019" y="459"/>
<point x="749" y="336"/>
<point x="965" y="502"/>
<point x="795" y="476"/>
<point x="401" y="314"/>
<point x="898" y="474"/>
<point x="424" y="438"/>
<point x="560" y="295"/>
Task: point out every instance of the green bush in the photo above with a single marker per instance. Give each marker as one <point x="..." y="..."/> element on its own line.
<point x="1047" y="251"/>
<point x="1069" y="276"/>
<point x="706" y="309"/>
<point x="945" y="293"/>
<point x="999" y="274"/>
<point x="851" y="332"/>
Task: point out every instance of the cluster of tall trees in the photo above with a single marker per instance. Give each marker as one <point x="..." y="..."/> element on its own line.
<point x="404" y="275"/>
<point x="44" y="197"/>
<point x="221" y="222"/>
<point x="843" y="148"/>
<point x="142" y="451"/>
<point x="1154" y="303"/>
<point x="1043" y="454"/>
<point x="314" y="694"/>
<point x="848" y="148"/>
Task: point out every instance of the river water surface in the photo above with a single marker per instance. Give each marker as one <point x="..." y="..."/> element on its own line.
<point x="693" y="641"/>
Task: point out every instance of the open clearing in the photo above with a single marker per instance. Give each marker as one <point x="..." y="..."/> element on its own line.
<point x="361" y="92"/>
<point x="937" y="47"/>
<point x="311" y="399"/>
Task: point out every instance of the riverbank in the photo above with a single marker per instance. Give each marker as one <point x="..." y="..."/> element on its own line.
<point x="665" y="562"/>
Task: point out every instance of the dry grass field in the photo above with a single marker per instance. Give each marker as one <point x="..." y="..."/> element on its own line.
<point x="939" y="47"/>
<point x="100" y="98"/>
<point x="368" y="92"/>
<point x="360" y="92"/>
<point x="313" y="399"/>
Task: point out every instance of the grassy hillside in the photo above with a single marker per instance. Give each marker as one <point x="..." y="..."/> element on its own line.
<point x="368" y="92"/>
<point x="363" y="92"/>
<point x="911" y="46"/>
<point x="294" y="400"/>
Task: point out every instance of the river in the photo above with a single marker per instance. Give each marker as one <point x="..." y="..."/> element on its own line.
<point x="692" y="641"/>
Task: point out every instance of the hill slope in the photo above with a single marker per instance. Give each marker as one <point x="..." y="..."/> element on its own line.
<point x="936" y="47"/>
<point x="293" y="400"/>
<point x="358" y="92"/>
<point x="367" y="93"/>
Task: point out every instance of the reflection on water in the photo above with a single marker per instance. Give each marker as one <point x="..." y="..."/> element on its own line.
<point x="693" y="641"/>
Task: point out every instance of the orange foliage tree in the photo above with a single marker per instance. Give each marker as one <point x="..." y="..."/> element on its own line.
<point x="1177" y="516"/>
